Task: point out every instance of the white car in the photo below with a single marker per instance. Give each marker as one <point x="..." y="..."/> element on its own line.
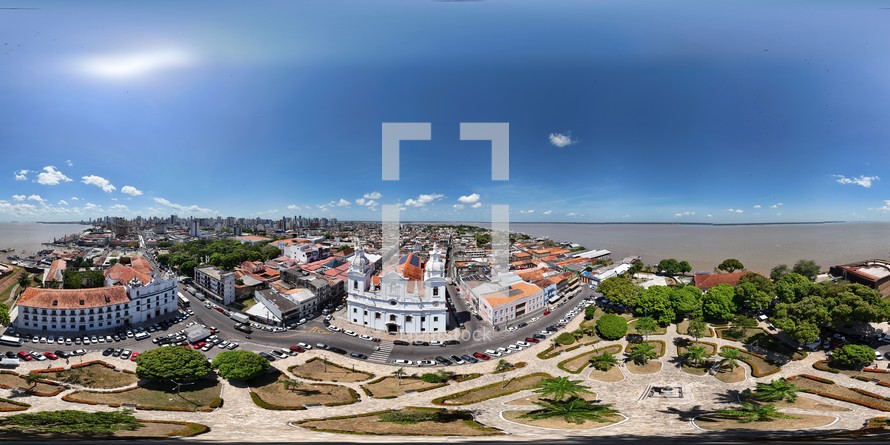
<point x="333" y="328"/>
<point x="504" y="350"/>
<point x="426" y="363"/>
<point x="350" y="333"/>
<point x="534" y="319"/>
<point x="878" y="355"/>
<point x="514" y="348"/>
<point x="511" y="328"/>
<point x="492" y="353"/>
<point x="436" y="343"/>
<point x="232" y="345"/>
<point x="304" y="346"/>
<point x="366" y="337"/>
<point x="524" y="344"/>
<point x="402" y="362"/>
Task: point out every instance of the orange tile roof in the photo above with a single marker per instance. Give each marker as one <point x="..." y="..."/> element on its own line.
<point x="71" y="298"/>
<point x="141" y="265"/>
<point x="124" y="274"/>
<point x="516" y="292"/>
<point x="706" y="281"/>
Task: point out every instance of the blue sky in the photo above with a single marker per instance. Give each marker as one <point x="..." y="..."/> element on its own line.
<point x="691" y="111"/>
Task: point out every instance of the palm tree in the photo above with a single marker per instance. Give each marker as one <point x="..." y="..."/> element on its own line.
<point x="697" y="329"/>
<point x="775" y="391"/>
<point x="291" y="384"/>
<point x="604" y="361"/>
<point x="24" y="281"/>
<point x="646" y="326"/>
<point x="642" y="353"/>
<point x="32" y="379"/>
<point x="574" y="410"/>
<point x="730" y="357"/>
<point x="696" y="354"/>
<point x="503" y="365"/>
<point x="399" y="373"/>
<point x="560" y="387"/>
<point x="750" y="412"/>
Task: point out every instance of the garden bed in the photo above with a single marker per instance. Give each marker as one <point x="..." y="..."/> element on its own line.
<point x="683" y="329"/>
<point x="822" y="388"/>
<point x="389" y="387"/>
<point x="577" y="363"/>
<point x="864" y="375"/>
<point x="7" y="405"/>
<point x="651" y="367"/>
<point x="614" y="374"/>
<point x="460" y="425"/>
<point x="12" y="380"/>
<point x="322" y="370"/>
<point x="530" y="399"/>
<point x="94" y="375"/>
<point x="734" y="375"/>
<point x="799" y="422"/>
<point x="759" y="366"/>
<point x="557" y="423"/>
<point x="494" y="390"/>
<point x="203" y="395"/>
<point x="269" y="392"/>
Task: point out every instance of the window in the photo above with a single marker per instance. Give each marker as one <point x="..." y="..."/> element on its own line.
<point x="408" y="318"/>
<point x="435" y="291"/>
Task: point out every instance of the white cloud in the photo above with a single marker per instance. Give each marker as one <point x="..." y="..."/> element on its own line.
<point x="562" y="140"/>
<point x="423" y="200"/>
<point x="458" y="206"/>
<point x="527" y="212"/>
<point x="187" y="209"/>
<point x="571" y="214"/>
<point x="98" y="181"/>
<point x="296" y="207"/>
<point x="710" y="216"/>
<point x="369" y="203"/>
<point x="548" y="212"/>
<point x="477" y="205"/>
<point x="886" y="207"/>
<point x="36" y="198"/>
<point x="343" y="203"/>
<point x="469" y="199"/>
<point x="19" y="197"/>
<point x="736" y="210"/>
<point x="683" y="214"/>
<point x="777" y="205"/>
<point x="122" y="66"/>
<point x="91" y="206"/>
<point x="130" y="190"/>
<point x="756" y="206"/>
<point x="119" y="207"/>
<point x="22" y="175"/>
<point x="51" y="176"/>
<point x="372" y="195"/>
<point x="18" y="209"/>
<point x="69" y="163"/>
<point x="864" y="181"/>
<point x="75" y="198"/>
<point x="62" y="202"/>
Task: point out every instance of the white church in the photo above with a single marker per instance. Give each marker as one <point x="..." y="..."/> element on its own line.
<point x="405" y="298"/>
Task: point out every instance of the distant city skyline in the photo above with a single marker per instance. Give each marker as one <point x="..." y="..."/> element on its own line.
<point x="126" y="109"/>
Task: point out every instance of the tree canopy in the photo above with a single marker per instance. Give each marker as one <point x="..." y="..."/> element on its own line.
<point x="4" y="315"/>
<point x="620" y="290"/>
<point x="611" y="327"/>
<point x="671" y="266"/>
<point x="852" y="356"/>
<point x="655" y="302"/>
<point x="174" y="364"/>
<point x="778" y="272"/>
<point x="806" y="307"/>
<point x="225" y="254"/>
<point x="730" y="265"/>
<point x="718" y="303"/>
<point x="240" y="365"/>
<point x="807" y="268"/>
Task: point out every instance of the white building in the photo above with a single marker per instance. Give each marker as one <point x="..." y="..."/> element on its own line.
<point x="508" y="298"/>
<point x="302" y="250"/>
<point x="129" y="297"/>
<point x="219" y="285"/>
<point x="406" y="298"/>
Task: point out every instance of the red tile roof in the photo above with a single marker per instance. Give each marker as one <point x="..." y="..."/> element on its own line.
<point x="706" y="281"/>
<point x="71" y="298"/>
<point x="124" y="274"/>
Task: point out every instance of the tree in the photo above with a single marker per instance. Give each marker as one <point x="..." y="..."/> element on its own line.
<point x="399" y="373"/>
<point x="557" y="389"/>
<point x="731" y="265"/>
<point x="32" y="378"/>
<point x="747" y="295"/>
<point x="685" y="300"/>
<point x="807" y="268"/>
<point x="173" y="364"/>
<point x="778" y="272"/>
<point x="23" y="280"/>
<point x="67" y="422"/>
<point x="776" y="391"/>
<point x="188" y="268"/>
<point x="696" y="354"/>
<point x="685" y="267"/>
<point x="291" y="384"/>
<point x="656" y="302"/>
<point x="565" y="339"/>
<point x="4" y="315"/>
<point x="163" y="259"/>
<point x="604" y="361"/>
<point x="760" y="282"/>
<point x="718" y="303"/>
<point x="590" y="312"/>
<point x="240" y="365"/>
<point x="852" y="356"/>
<point x="697" y="329"/>
<point x="620" y="290"/>
<point x="503" y="365"/>
<point x="611" y="327"/>
<point x="575" y="410"/>
<point x="793" y="287"/>
<point x="669" y="266"/>
<point x="642" y="353"/>
<point x="749" y="412"/>
<point x="646" y="326"/>
<point x="730" y="357"/>
<point x="438" y="376"/>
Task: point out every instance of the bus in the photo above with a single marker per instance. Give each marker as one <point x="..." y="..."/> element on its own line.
<point x="11" y="341"/>
<point x="183" y="301"/>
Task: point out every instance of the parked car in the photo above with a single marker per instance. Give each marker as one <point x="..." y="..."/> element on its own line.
<point x="402" y="362"/>
<point x="532" y="340"/>
<point x="400" y="343"/>
<point x="304" y="345"/>
<point x="426" y="363"/>
<point x="358" y="356"/>
<point x="481" y="356"/>
<point x="50" y="355"/>
<point x="457" y="360"/>
<point x="108" y="351"/>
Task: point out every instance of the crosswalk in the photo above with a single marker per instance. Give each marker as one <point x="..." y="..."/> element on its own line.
<point x="382" y="356"/>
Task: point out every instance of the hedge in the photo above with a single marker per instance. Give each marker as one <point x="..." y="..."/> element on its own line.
<point x="441" y="400"/>
<point x="823" y="365"/>
<point x="817" y="379"/>
<point x="756" y="371"/>
<point x="516" y="365"/>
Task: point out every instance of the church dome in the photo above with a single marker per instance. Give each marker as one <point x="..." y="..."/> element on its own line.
<point x="435" y="263"/>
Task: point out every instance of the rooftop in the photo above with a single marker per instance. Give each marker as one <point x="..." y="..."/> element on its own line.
<point x="73" y="298"/>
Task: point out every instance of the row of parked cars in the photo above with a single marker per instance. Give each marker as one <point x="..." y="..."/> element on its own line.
<point x="121" y="353"/>
<point x="41" y="356"/>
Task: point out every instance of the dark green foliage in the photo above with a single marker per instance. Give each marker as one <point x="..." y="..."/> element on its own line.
<point x="74" y="279"/>
<point x="669" y="266"/>
<point x="776" y="391"/>
<point x="731" y="265"/>
<point x="749" y="412"/>
<point x="409" y="417"/>
<point x="589" y="312"/>
<point x="240" y="365"/>
<point x="566" y="338"/>
<point x="225" y="254"/>
<point x="620" y="290"/>
<point x="718" y="303"/>
<point x="4" y="315"/>
<point x="806" y="307"/>
<point x="852" y="356"/>
<point x="575" y="410"/>
<point x="174" y="363"/>
<point x="655" y="302"/>
<point x="611" y="327"/>
<point x="807" y="268"/>
<point x="71" y="421"/>
<point x="778" y="272"/>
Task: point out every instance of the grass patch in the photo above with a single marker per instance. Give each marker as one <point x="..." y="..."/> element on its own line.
<point x="842" y="393"/>
<point x="12" y="380"/>
<point x="494" y="390"/>
<point x="322" y="370"/>
<point x="632" y="327"/>
<point x="94" y="376"/>
<point x="7" y="405"/>
<point x="739" y="334"/>
<point x="203" y="395"/>
<point x="269" y="392"/>
<point x="389" y="387"/>
<point x="733" y="375"/>
<point x="557" y="423"/>
<point x="799" y="422"/>
<point x="683" y="329"/>
<point x="420" y="422"/>
<point x="577" y="363"/>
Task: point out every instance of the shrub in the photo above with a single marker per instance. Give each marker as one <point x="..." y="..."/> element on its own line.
<point x="611" y="327"/>
<point x="852" y="356"/>
<point x="565" y="339"/>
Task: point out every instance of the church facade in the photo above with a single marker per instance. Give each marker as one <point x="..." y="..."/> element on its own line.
<point x="406" y="298"/>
